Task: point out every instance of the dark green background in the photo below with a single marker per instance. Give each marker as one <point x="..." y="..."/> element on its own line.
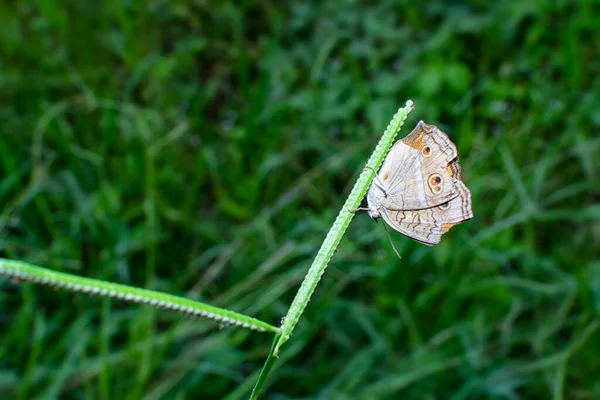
<point x="204" y="148"/>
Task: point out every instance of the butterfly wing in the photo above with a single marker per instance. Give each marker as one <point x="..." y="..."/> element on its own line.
<point x="428" y="225"/>
<point x="417" y="172"/>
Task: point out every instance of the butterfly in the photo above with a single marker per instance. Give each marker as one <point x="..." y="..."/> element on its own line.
<point x="418" y="190"/>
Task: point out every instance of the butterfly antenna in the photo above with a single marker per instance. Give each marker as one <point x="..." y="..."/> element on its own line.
<point x="391" y="242"/>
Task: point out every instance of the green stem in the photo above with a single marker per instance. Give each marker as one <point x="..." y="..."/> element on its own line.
<point x="266" y="370"/>
<point x="340" y="225"/>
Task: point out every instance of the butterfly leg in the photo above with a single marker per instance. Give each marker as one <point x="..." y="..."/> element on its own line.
<point x="360" y="209"/>
<point x="377" y="181"/>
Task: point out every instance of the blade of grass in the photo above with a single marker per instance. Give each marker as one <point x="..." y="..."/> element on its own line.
<point x="548" y="362"/>
<point x="389" y="387"/>
<point x="333" y="238"/>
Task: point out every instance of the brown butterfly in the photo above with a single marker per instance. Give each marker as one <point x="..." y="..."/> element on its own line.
<point x="418" y="190"/>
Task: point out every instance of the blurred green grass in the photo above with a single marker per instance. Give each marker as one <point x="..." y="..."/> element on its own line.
<point x="205" y="149"/>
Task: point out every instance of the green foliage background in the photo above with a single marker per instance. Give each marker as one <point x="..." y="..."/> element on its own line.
<point x="204" y="148"/>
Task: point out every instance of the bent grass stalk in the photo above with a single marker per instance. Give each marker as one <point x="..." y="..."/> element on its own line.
<point x="333" y="238"/>
<point x="21" y="271"/>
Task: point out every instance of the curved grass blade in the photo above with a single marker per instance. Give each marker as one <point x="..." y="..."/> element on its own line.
<point x="333" y="238"/>
<point x="30" y="273"/>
